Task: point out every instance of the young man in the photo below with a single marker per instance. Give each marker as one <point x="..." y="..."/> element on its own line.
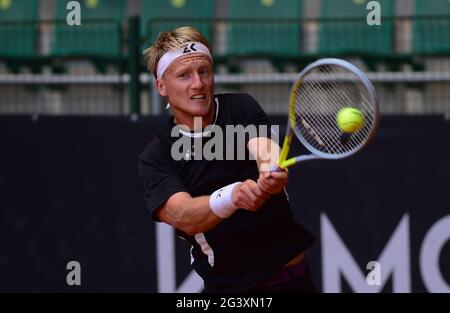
<point x="232" y="209"/>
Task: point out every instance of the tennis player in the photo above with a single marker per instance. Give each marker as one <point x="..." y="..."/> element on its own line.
<point x="233" y="211"/>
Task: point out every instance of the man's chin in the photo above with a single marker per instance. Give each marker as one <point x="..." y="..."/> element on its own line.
<point x="200" y="109"/>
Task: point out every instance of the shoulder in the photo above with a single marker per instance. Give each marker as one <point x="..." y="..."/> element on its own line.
<point x="240" y="104"/>
<point x="156" y="146"/>
<point x="237" y="99"/>
<point x="160" y="144"/>
<point x="156" y="152"/>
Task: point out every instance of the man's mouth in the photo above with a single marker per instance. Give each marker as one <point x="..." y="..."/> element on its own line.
<point x="198" y="97"/>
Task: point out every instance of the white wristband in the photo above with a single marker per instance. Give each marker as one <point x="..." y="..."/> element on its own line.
<point x="221" y="201"/>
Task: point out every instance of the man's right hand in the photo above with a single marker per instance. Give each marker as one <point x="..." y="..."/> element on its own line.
<point x="249" y="195"/>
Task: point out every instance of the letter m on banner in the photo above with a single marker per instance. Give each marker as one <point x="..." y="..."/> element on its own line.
<point x="338" y="262"/>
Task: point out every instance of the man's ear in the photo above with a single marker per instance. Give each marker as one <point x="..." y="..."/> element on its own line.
<point x="161" y="87"/>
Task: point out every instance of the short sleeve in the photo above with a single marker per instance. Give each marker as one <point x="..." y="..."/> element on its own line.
<point x="159" y="179"/>
<point x="251" y="113"/>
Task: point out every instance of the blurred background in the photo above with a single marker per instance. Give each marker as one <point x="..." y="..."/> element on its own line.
<point x="77" y="107"/>
<point x="96" y="68"/>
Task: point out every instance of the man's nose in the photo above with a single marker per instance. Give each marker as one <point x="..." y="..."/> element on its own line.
<point x="196" y="81"/>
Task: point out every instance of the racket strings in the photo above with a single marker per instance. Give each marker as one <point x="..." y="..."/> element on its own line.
<point x="358" y="88"/>
<point x="335" y="145"/>
<point x="313" y="116"/>
<point x="319" y="92"/>
<point x="351" y="86"/>
<point x="323" y="92"/>
<point x="317" y="111"/>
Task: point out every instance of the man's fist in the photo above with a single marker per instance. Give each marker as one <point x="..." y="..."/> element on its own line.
<point x="273" y="182"/>
<point x="249" y="195"/>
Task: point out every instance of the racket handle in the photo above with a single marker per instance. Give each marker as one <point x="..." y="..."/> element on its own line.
<point x="276" y="168"/>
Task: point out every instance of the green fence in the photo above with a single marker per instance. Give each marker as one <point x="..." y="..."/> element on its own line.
<point x="240" y="36"/>
<point x="107" y="51"/>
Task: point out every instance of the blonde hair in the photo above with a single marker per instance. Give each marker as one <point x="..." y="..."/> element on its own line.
<point x="169" y="40"/>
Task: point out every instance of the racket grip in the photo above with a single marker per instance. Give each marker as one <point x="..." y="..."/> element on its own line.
<point x="276" y="168"/>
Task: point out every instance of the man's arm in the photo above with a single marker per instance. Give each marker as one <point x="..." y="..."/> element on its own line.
<point x="266" y="152"/>
<point x="190" y="215"/>
<point x="194" y="215"/>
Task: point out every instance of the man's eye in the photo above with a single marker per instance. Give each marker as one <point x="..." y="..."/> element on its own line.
<point x="204" y="72"/>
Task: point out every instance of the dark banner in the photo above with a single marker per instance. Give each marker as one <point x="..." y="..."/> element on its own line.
<point x="72" y="217"/>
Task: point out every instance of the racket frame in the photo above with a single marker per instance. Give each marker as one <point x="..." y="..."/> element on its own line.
<point x="291" y="128"/>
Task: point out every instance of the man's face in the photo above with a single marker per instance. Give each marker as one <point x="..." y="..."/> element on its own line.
<point x="188" y="85"/>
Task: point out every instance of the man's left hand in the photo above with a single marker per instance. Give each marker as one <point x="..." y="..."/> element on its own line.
<point x="273" y="182"/>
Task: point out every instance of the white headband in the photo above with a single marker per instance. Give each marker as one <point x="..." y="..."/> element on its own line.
<point x="172" y="55"/>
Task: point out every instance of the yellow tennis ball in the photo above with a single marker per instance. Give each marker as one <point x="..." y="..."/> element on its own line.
<point x="350" y="120"/>
<point x="91" y="4"/>
<point x="5" y="4"/>
<point x="178" y="3"/>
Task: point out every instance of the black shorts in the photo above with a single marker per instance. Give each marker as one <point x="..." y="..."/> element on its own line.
<point x="295" y="279"/>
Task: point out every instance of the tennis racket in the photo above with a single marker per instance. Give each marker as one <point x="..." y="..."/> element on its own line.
<point x="322" y="89"/>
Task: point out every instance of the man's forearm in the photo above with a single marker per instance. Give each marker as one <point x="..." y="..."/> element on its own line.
<point x="197" y="215"/>
<point x="190" y="215"/>
<point x="265" y="151"/>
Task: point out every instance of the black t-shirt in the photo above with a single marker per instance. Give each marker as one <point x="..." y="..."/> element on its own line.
<point x="247" y="247"/>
